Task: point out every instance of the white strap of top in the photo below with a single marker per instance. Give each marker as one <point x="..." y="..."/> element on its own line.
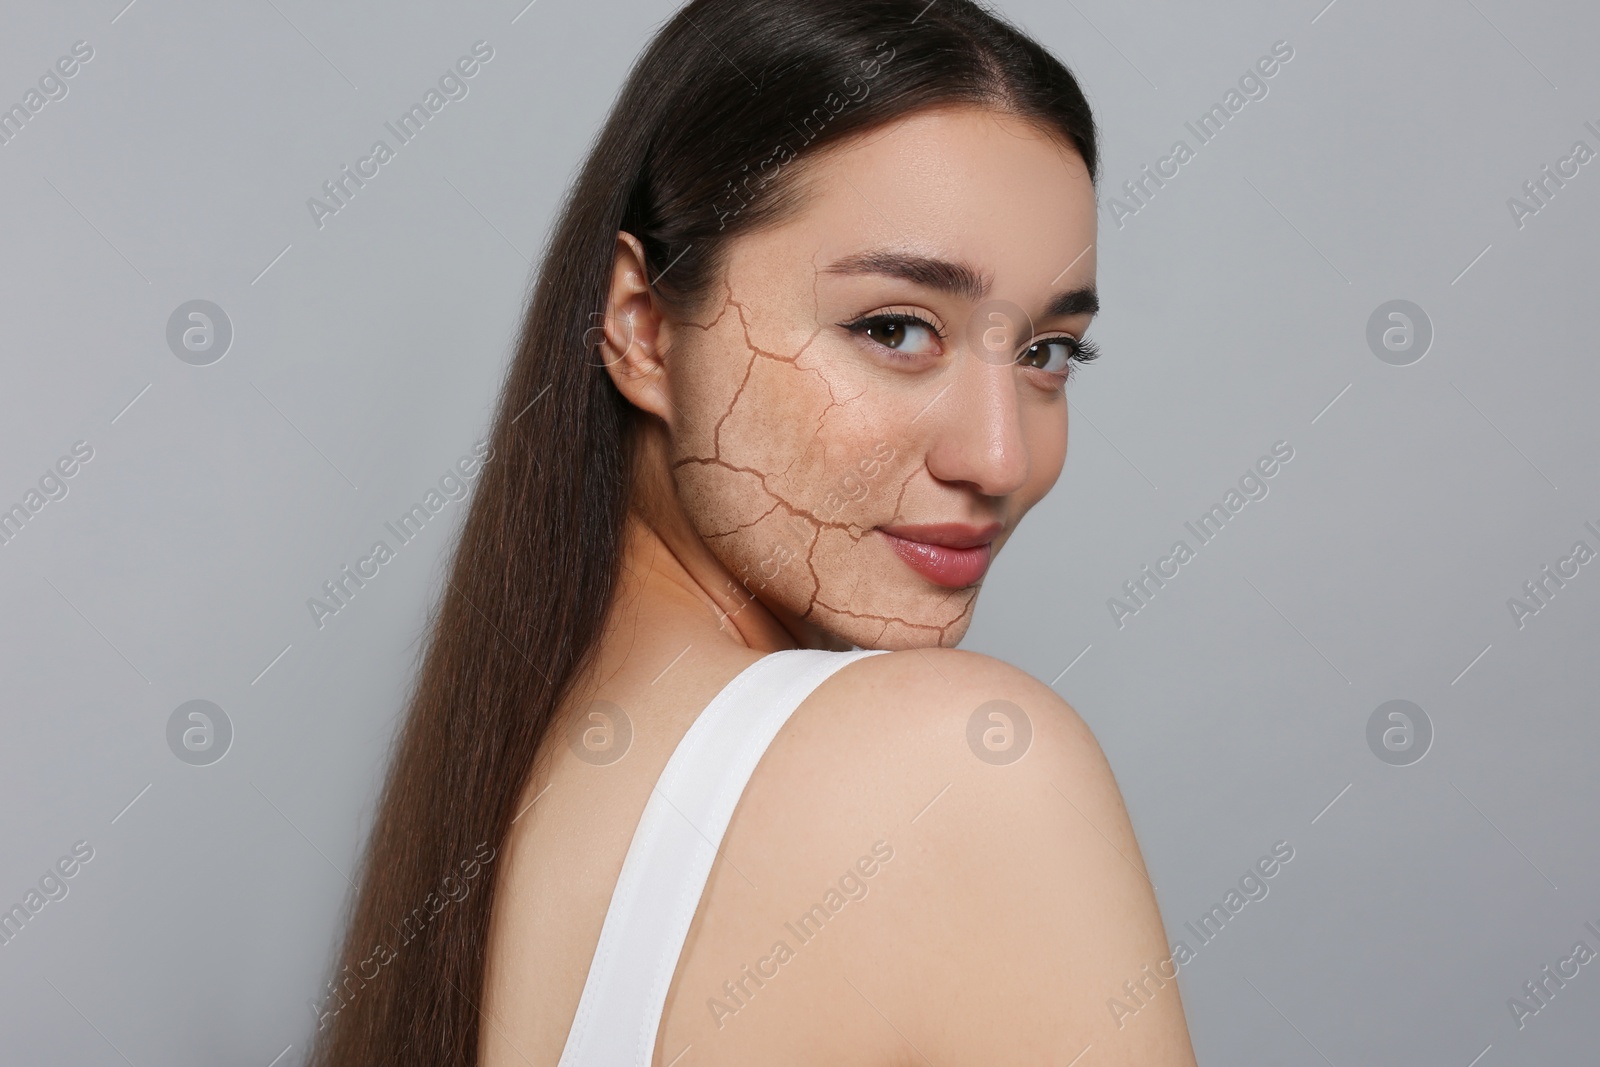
<point x="673" y="848"/>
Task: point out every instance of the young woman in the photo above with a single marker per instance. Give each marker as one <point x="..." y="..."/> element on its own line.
<point x="693" y="773"/>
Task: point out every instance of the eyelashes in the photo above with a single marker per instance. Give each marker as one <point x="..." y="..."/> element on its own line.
<point x="895" y="324"/>
<point x="1081" y="351"/>
<point x="894" y="327"/>
<point x="899" y="318"/>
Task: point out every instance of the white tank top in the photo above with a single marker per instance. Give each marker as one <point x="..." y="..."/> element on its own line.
<point x="673" y="847"/>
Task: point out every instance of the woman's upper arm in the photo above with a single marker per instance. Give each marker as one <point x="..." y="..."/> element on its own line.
<point x="1018" y="924"/>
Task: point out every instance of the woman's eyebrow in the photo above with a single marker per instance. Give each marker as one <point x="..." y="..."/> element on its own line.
<point x="1083" y="301"/>
<point x="956" y="278"/>
<point x="940" y="274"/>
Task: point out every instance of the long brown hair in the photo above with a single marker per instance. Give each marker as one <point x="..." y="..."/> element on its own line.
<point x="696" y="150"/>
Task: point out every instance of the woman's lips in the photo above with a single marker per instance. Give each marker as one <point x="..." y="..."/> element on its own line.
<point x="953" y="555"/>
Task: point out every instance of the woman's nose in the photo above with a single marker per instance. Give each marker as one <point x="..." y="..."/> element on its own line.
<point x="977" y="437"/>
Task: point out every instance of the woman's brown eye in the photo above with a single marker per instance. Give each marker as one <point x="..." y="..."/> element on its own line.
<point x="1059" y="356"/>
<point x="888" y="334"/>
<point x="898" y="332"/>
<point x="1054" y="355"/>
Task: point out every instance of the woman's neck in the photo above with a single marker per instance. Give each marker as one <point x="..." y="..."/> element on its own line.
<point x="670" y="578"/>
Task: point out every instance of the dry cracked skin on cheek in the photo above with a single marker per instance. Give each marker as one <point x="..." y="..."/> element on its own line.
<point x="794" y="440"/>
<point x="790" y="453"/>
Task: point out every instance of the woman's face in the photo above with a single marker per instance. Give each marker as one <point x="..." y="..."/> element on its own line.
<point x="864" y="413"/>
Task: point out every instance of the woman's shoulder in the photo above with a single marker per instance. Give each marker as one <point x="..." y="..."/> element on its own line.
<point x="968" y="726"/>
<point x="941" y="829"/>
<point x="940" y="679"/>
<point x="953" y="711"/>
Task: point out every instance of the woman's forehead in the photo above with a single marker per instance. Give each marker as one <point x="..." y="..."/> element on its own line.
<point x="969" y="186"/>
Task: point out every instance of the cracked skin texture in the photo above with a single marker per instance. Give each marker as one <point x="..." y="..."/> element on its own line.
<point x="752" y="472"/>
<point x="780" y="414"/>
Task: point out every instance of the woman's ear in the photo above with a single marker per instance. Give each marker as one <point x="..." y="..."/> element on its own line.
<point x="630" y="339"/>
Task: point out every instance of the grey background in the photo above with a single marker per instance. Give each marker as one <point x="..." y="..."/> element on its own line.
<point x="365" y="360"/>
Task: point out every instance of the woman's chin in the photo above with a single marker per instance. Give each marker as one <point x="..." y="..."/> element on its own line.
<point x="895" y="631"/>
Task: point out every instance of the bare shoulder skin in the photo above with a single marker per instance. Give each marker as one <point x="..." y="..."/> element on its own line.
<point x="928" y="903"/>
<point x="835" y="447"/>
